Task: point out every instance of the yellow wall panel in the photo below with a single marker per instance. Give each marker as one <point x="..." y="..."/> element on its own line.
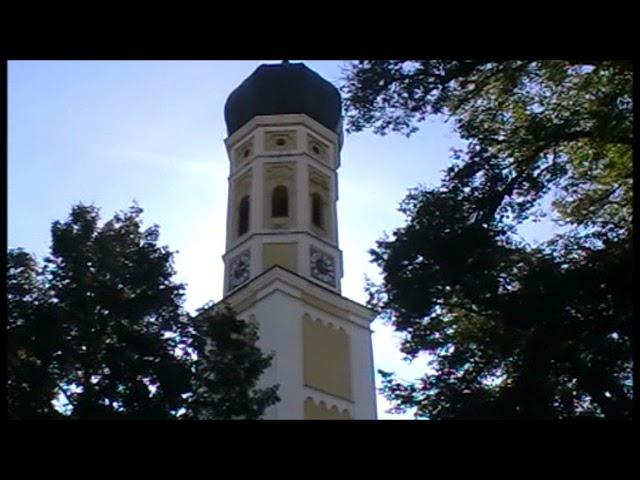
<point x="326" y="358"/>
<point x="283" y="254"/>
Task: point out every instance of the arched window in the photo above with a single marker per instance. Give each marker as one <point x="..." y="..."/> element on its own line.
<point x="243" y="216"/>
<point x="317" y="210"/>
<point x="280" y="202"/>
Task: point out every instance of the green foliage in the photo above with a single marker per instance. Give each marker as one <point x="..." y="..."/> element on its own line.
<point x="513" y="331"/>
<point x="100" y="329"/>
<point x="531" y="127"/>
<point x="229" y="367"/>
<point x="31" y="341"/>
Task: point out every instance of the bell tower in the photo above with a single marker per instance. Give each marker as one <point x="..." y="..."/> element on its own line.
<point x="283" y="264"/>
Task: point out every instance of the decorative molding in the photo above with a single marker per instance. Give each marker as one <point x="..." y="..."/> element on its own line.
<point x="275" y="237"/>
<point x="244" y="153"/>
<point x="279" y="171"/>
<point x="244" y="304"/>
<point x="319" y="179"/>
<point x="279" y="141"/>
<point x="317" y="149"/>
<point x="325" y="323"/>
<point x="242" y="186"/>
<point x="280" y="279"/>
<point x="289" y="120"/>
<point x="320" y="410"/>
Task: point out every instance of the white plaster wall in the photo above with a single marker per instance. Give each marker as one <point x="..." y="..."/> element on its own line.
<point x="363" y="374"/>
<point x="281" y="331"/>
<point x="279" y="311"/>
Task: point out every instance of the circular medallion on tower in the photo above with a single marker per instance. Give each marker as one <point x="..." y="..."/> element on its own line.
<point x="285" y="88"/>
<point x="239" y="269"/>
<point x="322" y="267"/>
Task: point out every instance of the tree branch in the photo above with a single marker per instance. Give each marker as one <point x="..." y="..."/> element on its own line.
<point x="466" y="309"/>
<point x="572" y="136"/>
<point x="64" y="392"/>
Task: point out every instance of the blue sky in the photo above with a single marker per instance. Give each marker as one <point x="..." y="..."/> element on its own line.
<point x="110" y="132"/>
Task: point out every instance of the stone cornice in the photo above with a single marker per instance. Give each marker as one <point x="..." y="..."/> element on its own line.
<point x="282" y="121"/>
<point x="280" y="279"/>
<point x="277" y="234"/>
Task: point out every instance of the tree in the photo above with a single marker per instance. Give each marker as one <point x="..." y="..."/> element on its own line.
<point x="228" y="368"/>
<point x="513" y="330"/>
<point x="99" y="331"/>
<point x="31" y="341"/>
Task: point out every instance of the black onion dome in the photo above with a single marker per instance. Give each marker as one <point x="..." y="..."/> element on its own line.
<point x="284" y="88"/>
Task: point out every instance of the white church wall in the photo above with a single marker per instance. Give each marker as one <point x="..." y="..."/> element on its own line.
<point x="281" y="331"/>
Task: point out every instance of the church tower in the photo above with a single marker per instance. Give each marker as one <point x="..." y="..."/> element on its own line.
<point x="283" y="264"/>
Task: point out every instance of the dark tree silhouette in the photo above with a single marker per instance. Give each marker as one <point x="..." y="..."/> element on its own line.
<point x="513" y="330"/>
<point x="99" y="332"/>
<point x="229" y="367"/>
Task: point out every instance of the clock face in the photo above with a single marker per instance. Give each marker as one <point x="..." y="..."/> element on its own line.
<point x="239" y="270"/>
<point x="323" y="267"/>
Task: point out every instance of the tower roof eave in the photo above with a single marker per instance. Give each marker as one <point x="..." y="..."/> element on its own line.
<point x="276" y="272"/>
